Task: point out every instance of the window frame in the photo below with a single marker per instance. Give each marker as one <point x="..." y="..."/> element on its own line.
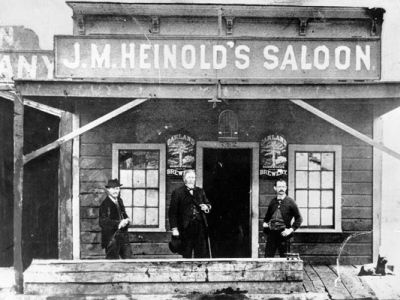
<point x="337" y="149"/>
<point x="162" y="180"/>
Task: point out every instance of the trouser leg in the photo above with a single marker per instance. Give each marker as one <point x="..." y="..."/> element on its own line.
<point x="188" y="236"/>
<point x="282" y="248"/>
<point x="112" y="249"/>
<point x="200" y="246"/>
<point x="125" y="248"/>
<point x="271" y="244"/>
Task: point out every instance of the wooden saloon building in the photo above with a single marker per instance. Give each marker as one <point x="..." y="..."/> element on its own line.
<point x="244" y="94"/>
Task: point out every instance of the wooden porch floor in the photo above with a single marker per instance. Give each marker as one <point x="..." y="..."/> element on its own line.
<point x="324" y="279"/>
<point x="318" y="283"/>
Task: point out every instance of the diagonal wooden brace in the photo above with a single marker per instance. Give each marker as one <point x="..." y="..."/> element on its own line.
<point x="83" y="129"/>
<point x="346" y="128"/>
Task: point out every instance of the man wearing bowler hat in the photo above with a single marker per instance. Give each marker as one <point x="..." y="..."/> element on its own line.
<point x="114" y="223"/>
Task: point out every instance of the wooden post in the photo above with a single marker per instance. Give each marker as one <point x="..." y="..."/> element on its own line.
<point x="377" y="186"/>
<point x="76" y="234"/>
<point x="65" y="190"/>
<point x="18" y="189"/>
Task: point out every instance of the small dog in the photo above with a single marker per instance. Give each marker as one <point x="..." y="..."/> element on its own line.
<point x="379" y="269"/>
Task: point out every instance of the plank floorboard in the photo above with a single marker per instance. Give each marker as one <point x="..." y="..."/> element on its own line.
<point x="316" y="281"/>
<point x="336" y="290"/>
<point x="353" y="284"/>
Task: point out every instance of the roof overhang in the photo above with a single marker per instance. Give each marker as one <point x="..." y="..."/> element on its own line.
<point x="206" y="89"/>
<point x="253" y="9"/>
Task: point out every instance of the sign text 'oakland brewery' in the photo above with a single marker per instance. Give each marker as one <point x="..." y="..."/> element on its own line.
<point x="196" y="58"/>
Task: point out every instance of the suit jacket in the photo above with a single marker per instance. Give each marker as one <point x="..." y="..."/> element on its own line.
<point x="180" y="210"/>
<point x="109" y="219"/>
<point x="289" y="211"/>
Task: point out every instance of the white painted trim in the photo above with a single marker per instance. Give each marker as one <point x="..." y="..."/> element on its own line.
<point x="162" y="180"/>
<point x="338" y="181"/>
<point x="254" y="193"/>
<point x="377" y="188"/>
<point x="76" y="234"/>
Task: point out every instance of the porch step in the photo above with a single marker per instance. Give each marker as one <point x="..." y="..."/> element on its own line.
<point x="164" y="276"/>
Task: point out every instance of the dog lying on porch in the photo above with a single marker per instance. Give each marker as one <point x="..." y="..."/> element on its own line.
<point x="380" y="269"/>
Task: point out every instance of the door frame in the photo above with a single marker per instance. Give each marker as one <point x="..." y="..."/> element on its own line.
<point x="254" y="184"/>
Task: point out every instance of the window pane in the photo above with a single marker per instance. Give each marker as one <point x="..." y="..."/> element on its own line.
<point x="125" y="159"/>
<point x="125" y="177"/>
<point x="314" y="200"/>
<point x="327" y="217"/>
<point x="126" y="196"/>
<point x="314" y="180"/>
<point x="152" y="178"/>
<point x="314" y="161"/>
<point x="152" y="198"/>
<point x="139" y="159"/>
<point x="139" y="179"/>
<point x="327" y="199"/>
<point x="304" y="214"/>
<point x="327" y="180"/>
<point x="301" y="179"/>
<point x="152" y="159"/>
<point x="129" y="212"/>
<point x="139" y="198"/>
<point x="301" y="198"/>
<point x="152" y="216"/>
<point x="327" y="162"/>
<point x="301" y="160"/>
<point x="313" y="216"/>
<point x="138" y="216"/>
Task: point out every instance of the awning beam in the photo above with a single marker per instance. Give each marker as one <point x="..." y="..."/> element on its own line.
<point x="346" y="128"/>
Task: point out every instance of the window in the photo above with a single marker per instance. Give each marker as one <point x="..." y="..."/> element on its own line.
<point x="228" y="127"/>
<point x="315" y="184"/>
<point x="141" y="171"/>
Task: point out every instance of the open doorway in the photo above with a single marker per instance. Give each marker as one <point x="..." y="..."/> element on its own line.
<point x="227" y="183"/>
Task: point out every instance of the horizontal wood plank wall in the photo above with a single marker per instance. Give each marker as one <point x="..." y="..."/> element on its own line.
<point x="153" y="121"/>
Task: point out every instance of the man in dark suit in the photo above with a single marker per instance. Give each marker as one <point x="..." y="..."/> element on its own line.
<point x="278" y="221"/>
<point x="114" y="223"/>
<point x="186" y="216"/>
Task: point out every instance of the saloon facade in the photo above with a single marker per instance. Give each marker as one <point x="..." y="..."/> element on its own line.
<point x="245" y="94"/>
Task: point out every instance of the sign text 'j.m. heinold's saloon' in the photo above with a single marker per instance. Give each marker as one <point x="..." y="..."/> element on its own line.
<point x="94" y="57"/>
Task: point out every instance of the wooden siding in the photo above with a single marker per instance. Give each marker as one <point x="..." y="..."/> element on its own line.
<point x="151" y="122"/>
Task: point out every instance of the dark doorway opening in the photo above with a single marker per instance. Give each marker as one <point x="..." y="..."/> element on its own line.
<point x="40" y="205"/>
<point x="226" y="181"/>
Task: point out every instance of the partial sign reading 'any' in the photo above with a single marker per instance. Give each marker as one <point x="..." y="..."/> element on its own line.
<point x="93" y="57"/>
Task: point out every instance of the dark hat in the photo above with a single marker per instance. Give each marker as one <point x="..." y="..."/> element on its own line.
<point x="175" y="245"/>
<point x="112" y="183"/>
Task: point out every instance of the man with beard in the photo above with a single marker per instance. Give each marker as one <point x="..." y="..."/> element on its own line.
<point x="278" y="221"/>
<point x="186" y="216"/>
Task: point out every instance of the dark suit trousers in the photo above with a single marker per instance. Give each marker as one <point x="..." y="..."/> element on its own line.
<point x="119" y="247"/>
<point x="195" y="240"/>
<point x="276" y="241"/>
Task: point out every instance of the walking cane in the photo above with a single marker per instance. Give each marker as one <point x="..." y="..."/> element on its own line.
<point x="208" y="235"/>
